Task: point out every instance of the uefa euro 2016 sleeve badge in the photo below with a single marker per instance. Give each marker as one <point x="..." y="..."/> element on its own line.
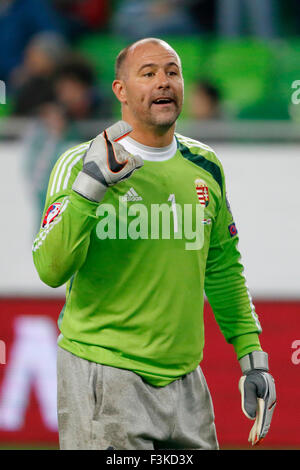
<point x="51" y="213"/>
<point x="202" y="192"/>
<point x="232" y="229"/>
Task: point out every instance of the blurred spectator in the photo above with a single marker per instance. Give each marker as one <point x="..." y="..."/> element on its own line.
<point x="261" y="16"/>
<point x="205" y="101"/>
<point x="32" y="81"/>
<point x="73" y="97"/>
<point x="83" y="16"/>
<point x="20" y="20"/>
<point x="136" y="19"/>
<point x="47" y="138"/>
<point x="77" y="91"/>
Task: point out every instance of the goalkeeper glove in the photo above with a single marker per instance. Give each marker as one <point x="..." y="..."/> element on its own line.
<point x="258" y="393"/>
<point x="105" y="163"/>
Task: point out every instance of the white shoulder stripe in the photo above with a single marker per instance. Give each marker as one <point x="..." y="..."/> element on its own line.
<point x="194" y="143"/>
<point x="67" y="156"/>
<point x="70" y="169"/>
<point x="63" y="158"/>
<point x="68" y="160"/>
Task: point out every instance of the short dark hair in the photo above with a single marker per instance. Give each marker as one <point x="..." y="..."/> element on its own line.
<point x="76" y="68"/>
<point x="120" y="60"/>
<point x="209" y="89"/>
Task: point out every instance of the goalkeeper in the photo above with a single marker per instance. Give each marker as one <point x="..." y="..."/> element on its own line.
<point x="138" y="226"/>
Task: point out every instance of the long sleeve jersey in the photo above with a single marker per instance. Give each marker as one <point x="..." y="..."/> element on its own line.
<point x="137" y="266"/>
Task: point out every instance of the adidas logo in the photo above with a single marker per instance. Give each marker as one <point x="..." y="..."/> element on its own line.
<point x="131" y="195"/>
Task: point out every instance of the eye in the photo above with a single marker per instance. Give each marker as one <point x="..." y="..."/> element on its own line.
<point x="172" y="72"/>
<point x="149" y="74"/>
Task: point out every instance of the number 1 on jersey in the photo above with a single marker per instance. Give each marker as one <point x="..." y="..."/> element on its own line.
<point x="174" y="210"/>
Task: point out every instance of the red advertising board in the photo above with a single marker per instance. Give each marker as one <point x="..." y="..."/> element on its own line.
<point x="28" y="337"/>
<point x="281" y="339"/>
<point x="28" y="378"/>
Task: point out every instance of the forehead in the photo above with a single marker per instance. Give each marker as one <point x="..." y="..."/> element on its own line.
<point x="151" y="53"/>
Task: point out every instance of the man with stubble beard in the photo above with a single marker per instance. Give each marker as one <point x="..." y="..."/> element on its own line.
<point x="138" y="226"/>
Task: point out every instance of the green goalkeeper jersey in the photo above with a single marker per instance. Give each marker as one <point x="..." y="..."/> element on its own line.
<point x="137" y="265"/>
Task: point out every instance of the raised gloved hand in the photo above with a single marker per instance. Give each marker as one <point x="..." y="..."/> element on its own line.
<point x="105" y="163"/>
<point x="258" y="393"/>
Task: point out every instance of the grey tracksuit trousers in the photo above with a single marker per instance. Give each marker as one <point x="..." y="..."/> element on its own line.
<point x="101" y="407"/>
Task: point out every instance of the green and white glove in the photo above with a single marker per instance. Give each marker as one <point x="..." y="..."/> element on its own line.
<point x="105" y="163"/>
<point x="258" y="393"/>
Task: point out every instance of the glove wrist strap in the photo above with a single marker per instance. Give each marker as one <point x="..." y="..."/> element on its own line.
<point x="88" y="187"/>
<point x="254" y="360"/>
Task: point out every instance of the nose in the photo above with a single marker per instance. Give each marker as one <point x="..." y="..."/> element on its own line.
<point x="163" y="79"/>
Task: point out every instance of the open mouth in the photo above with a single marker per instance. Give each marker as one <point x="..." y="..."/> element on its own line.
<point x="163" y="101"/>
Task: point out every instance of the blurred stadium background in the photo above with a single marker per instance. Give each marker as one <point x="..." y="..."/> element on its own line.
<point x="242" y="80"/>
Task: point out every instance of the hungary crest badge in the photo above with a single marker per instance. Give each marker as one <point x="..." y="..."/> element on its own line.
<point x="202" y="192"/>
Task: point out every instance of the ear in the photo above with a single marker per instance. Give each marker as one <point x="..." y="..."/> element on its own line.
<point x="119" y="90"/>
